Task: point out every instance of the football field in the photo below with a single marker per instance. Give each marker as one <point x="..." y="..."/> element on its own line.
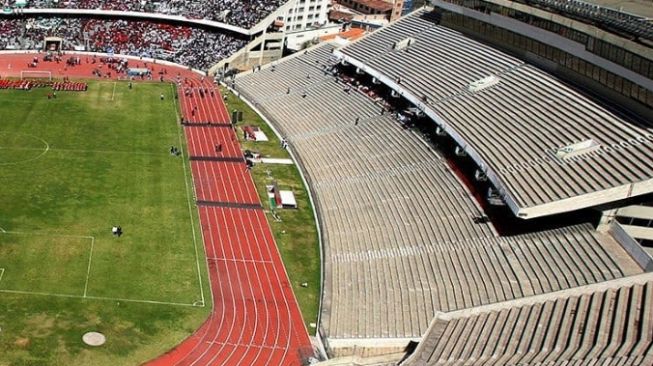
<point x="71" y="168"/>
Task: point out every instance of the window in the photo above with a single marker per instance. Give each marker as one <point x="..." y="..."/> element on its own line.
<point x="603" y="76"/>
<point x="610" y="80"/>
<point x="642" y="94"/>
<point x="634" y="90"/>
<point x="549" y="52"/>
<point x="627" y="87"/>
<point x="580" y="66"/>
<point x="590" y="44"/>
<point x="558" y="56"/>
<point x="636" y="63"/>
<point x="644" y="67"/>
<point x="618" y="84"/>
<point x="596" y="73"/>
<point x="620" y="57"/>
<point x="627" y="61"/>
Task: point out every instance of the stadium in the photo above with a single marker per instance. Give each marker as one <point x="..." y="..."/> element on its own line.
<point x="461" y="182"/>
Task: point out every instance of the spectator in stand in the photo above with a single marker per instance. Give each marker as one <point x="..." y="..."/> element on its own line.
<point x="193" y="47"/>
<point x="241" y="13"/>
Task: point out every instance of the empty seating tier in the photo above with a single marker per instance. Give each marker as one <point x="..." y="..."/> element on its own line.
<point x="603" y="324"/>
<point x="399" y="239"/>
<point x="548" y="147"/>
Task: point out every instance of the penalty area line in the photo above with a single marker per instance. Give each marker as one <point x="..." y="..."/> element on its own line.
<point x="45" y="233"/>
<point x="36" y="293"/>
<point x="88" y="269"/>
<point x="114" y="91"/>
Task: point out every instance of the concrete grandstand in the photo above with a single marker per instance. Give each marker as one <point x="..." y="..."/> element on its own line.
<point x="515" y="162"/>
<point x="418" y="247"/>
<point x="402" y="237"/>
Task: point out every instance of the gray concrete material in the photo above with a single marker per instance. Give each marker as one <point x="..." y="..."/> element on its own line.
<point x="639" y="232"/>
<point x="636" y="252"/>
<point x="398" y="224"/>
<point x="636" y="211"/>
<point x="642" y="8"/>
<point x="520" y="163"/>
<point x="594" y="324"/>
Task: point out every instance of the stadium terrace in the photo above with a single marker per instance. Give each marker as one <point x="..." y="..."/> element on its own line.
<point x="471" y="184"/>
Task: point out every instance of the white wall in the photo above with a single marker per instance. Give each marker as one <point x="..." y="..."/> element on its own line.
<point x="296" y="40"/>
<point x="303" y="14"/>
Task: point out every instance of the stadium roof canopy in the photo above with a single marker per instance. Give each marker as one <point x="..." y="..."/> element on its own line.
<point x="545" y="146"/>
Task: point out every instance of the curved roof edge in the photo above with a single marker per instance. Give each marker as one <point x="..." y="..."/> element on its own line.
<point x="574" y="203"/>
<point x="133" y="14"/>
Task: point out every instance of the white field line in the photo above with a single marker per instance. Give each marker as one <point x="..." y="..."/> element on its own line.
<point x="2" y="273"/>
<point x="88" y="269"/>
<point x="114" y="91"/>
<point x="2" y="230"/>
<point x="91" y="238"/>
<point x="83" y="151"/>
<point x="85" y="296"/>
<point x="39" y="233"/>
<point x="98" y="298"/>
<point x="43" y="152"/>
<point x="188" y="199"/>
<point x="18" y="148"/>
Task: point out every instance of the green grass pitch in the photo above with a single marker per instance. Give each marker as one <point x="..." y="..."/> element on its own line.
<point x="70" y="169"/>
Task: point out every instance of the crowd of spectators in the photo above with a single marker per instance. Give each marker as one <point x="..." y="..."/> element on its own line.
<point x="9" y="34"/>
<point x="188" y="46"/>
<point x="242" y="13"/>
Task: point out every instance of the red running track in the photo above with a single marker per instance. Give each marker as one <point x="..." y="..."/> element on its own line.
<point x="223" y="182"/>
<point x="255" y="318"/>
<point x="202" y="141"/>
<point x="201" y="103"/>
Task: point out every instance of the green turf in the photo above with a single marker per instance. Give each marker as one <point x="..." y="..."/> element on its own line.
<point x="296" y="233"/>
<point x="70" y="168"/>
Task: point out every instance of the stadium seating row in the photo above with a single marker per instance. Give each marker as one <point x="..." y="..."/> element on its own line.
<point x="243" y="14"/>
<point x="194" y="47"/>
<point x="588" y="326"/>
<point x="399" y="237"/>
<point x="601" y="15"/>
<point x="518" y="123"/>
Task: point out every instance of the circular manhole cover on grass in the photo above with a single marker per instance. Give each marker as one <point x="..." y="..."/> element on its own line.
<point x="94" y="339"/>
